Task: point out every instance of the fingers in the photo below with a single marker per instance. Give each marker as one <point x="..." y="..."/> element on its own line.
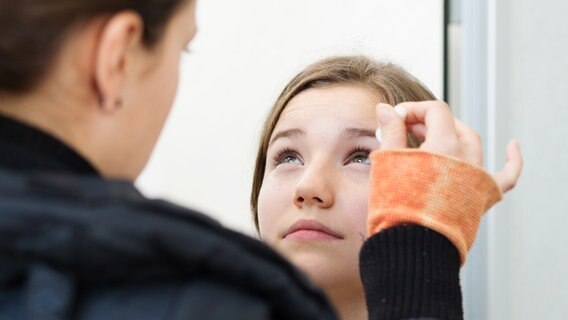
<point x="418" y="130"/>
<point x="433" y="123"/>
<point x="392" y="130"/>
<point x="436" y="115"/>
<point x="470" y="149"/>
<point x="441" y="134"/>
<point x="508" y="177"/>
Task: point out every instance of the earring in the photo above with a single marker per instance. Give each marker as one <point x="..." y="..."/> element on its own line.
<point x="117" y="104"/>
<point x="101" y="100"/>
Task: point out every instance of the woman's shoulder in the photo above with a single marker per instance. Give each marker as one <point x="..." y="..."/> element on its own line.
<point x="81" y="225"/>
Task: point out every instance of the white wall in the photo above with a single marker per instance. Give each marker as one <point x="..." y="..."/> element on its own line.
<point x="244" y="54"/>
<point x="531" y="260"/>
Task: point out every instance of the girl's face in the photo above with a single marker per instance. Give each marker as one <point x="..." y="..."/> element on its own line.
<point x="313" y="202"/>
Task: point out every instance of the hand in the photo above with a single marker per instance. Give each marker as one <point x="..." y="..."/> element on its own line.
<point x="433" y="123"/>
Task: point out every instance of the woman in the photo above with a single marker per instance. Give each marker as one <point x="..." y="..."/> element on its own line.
<point x="311" y="189"/>
<point x="85" y="88"/>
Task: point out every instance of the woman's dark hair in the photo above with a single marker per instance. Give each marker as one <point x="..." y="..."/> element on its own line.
<point x="32" y="32"/>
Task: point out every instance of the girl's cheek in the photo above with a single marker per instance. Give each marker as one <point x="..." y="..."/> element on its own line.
<point x="274" y="200"/>
<point x="360" y="210"/>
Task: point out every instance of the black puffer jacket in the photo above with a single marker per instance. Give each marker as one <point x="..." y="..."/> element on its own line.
<point x="82" y="247"/>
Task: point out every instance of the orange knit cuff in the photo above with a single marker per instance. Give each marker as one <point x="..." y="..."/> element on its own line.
<point x="442" y="193"/>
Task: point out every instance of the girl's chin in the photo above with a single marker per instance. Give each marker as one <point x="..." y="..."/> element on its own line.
<point x="320" y="264"/>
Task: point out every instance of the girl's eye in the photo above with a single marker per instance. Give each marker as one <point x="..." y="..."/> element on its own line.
<point x="360" y="155"/>
<point x="290" y="159"/>
<point x="287" y="156"/>
<point x="361" y="159"/>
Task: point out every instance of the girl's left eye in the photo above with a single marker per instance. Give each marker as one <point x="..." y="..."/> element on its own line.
<point x="360" y="155"/>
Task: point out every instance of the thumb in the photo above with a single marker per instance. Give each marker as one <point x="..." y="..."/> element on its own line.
<point x="392" y="129"/>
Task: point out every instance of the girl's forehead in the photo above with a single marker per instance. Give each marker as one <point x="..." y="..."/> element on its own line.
<point x="339" y="94"/>
<point x="327" y="122"/>
<point x="346" y="100"/>
<point x="311" y="114"/>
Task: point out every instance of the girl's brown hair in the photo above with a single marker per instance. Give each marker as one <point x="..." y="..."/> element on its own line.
<point x="32" y="32"/>
<point x="392" y="84"/>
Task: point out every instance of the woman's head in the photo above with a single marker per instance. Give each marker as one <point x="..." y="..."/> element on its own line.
<point x="34" y="31"/>
<point x="312" y="169"/>
<point x="99" y="74"/>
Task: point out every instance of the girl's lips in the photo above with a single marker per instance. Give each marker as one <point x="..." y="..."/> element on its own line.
<point x="311" y="230"/>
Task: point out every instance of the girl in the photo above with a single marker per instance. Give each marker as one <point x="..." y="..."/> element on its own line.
<point x="319" y="199"/>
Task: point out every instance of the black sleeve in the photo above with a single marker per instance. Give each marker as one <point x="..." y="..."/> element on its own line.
<point x="411" y="272"/>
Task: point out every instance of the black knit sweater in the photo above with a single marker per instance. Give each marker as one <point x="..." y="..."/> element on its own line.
<point x="409" y="272"/>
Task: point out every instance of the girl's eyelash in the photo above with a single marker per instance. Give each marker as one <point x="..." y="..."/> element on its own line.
<point x="359" y="150"/>
<point x="280" y="155"/>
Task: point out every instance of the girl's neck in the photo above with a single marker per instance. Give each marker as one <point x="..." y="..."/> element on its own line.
<point x="349" y="304"/>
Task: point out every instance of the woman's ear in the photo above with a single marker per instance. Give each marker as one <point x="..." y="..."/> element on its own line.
<point x="120" y="36"/>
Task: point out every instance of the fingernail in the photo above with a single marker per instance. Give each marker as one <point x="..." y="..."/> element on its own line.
<point x="401" y="111"/>
<point x="379" y="134"/>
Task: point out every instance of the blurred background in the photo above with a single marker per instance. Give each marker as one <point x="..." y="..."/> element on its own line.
<point x="501" y="64"/>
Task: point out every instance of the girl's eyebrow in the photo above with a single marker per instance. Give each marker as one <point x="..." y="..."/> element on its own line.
<point x="347" y="133"/>
<point x="357" y="132"/>
<point x="290" y="133"/>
